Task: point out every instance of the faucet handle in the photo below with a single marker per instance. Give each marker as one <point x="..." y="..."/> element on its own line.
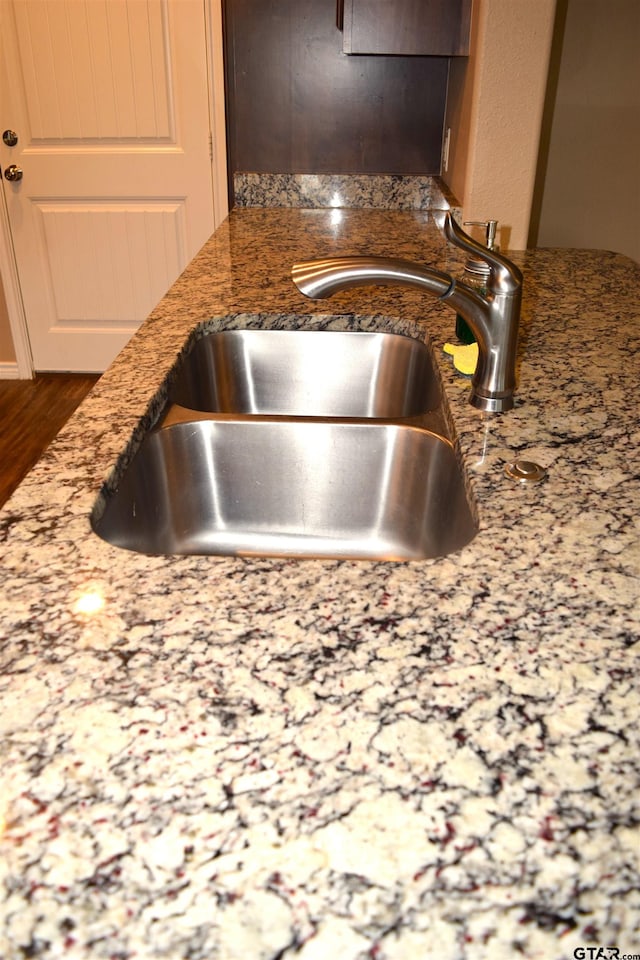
<point x="505" y="276"/>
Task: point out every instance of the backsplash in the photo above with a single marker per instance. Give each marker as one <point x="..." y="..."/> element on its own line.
<point x="379" y="191"/>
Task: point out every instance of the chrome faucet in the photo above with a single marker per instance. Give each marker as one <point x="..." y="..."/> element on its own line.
<point x="493" y="317"/>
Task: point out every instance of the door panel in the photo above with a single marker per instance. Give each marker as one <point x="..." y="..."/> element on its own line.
<point x="87" y="41"/>
<point x="110" y="102"/>
<point x="110" y="261"/>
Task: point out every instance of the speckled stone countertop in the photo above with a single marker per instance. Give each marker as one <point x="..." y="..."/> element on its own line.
<point x="251" y="759"/>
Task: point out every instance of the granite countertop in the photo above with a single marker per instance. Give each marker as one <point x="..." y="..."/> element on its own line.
<point x="229" y="758"/>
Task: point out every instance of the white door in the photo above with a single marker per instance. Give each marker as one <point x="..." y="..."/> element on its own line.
<point x="108" y="100"/>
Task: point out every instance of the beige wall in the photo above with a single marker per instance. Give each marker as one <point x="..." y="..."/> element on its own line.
<point x="589" y="182"/>
<point x="7" y="353"/>
<point x="494" y="111"/>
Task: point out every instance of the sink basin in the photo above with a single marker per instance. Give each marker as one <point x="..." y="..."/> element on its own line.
<point x="295" y="443"/>
<point x="307" y="373"/>
<point x="294" y="488"/>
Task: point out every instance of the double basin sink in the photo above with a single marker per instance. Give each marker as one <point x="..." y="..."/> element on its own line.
<point x="295" y="443"/>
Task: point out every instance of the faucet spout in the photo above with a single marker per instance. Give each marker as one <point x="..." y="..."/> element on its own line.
<point x="493" y="317"/>
<point x="319" y="279"/>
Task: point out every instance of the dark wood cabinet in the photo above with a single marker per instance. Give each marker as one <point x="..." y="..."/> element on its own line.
<point x="297" y="104"/>
<point x="437" y="28"/>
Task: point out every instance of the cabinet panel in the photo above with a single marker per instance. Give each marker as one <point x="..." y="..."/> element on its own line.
<point x="297" y="104"/>
<point x="407" y="27"/>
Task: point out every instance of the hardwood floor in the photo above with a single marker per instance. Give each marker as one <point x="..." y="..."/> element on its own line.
<point x="31" y="414"/>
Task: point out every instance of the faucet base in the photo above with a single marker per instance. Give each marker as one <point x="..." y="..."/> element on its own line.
<point x="491" y="404"/>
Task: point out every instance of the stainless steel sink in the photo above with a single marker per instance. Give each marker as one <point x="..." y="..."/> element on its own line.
<point x="295" y="443"/>
<point x="312" y="373"/>
<point x="295" y="488"/>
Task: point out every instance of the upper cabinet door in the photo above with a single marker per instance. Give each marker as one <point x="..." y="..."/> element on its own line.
<point x="437" y="28"/>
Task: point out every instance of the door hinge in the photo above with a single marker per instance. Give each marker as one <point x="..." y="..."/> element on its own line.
<point x="210" y="146"/>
